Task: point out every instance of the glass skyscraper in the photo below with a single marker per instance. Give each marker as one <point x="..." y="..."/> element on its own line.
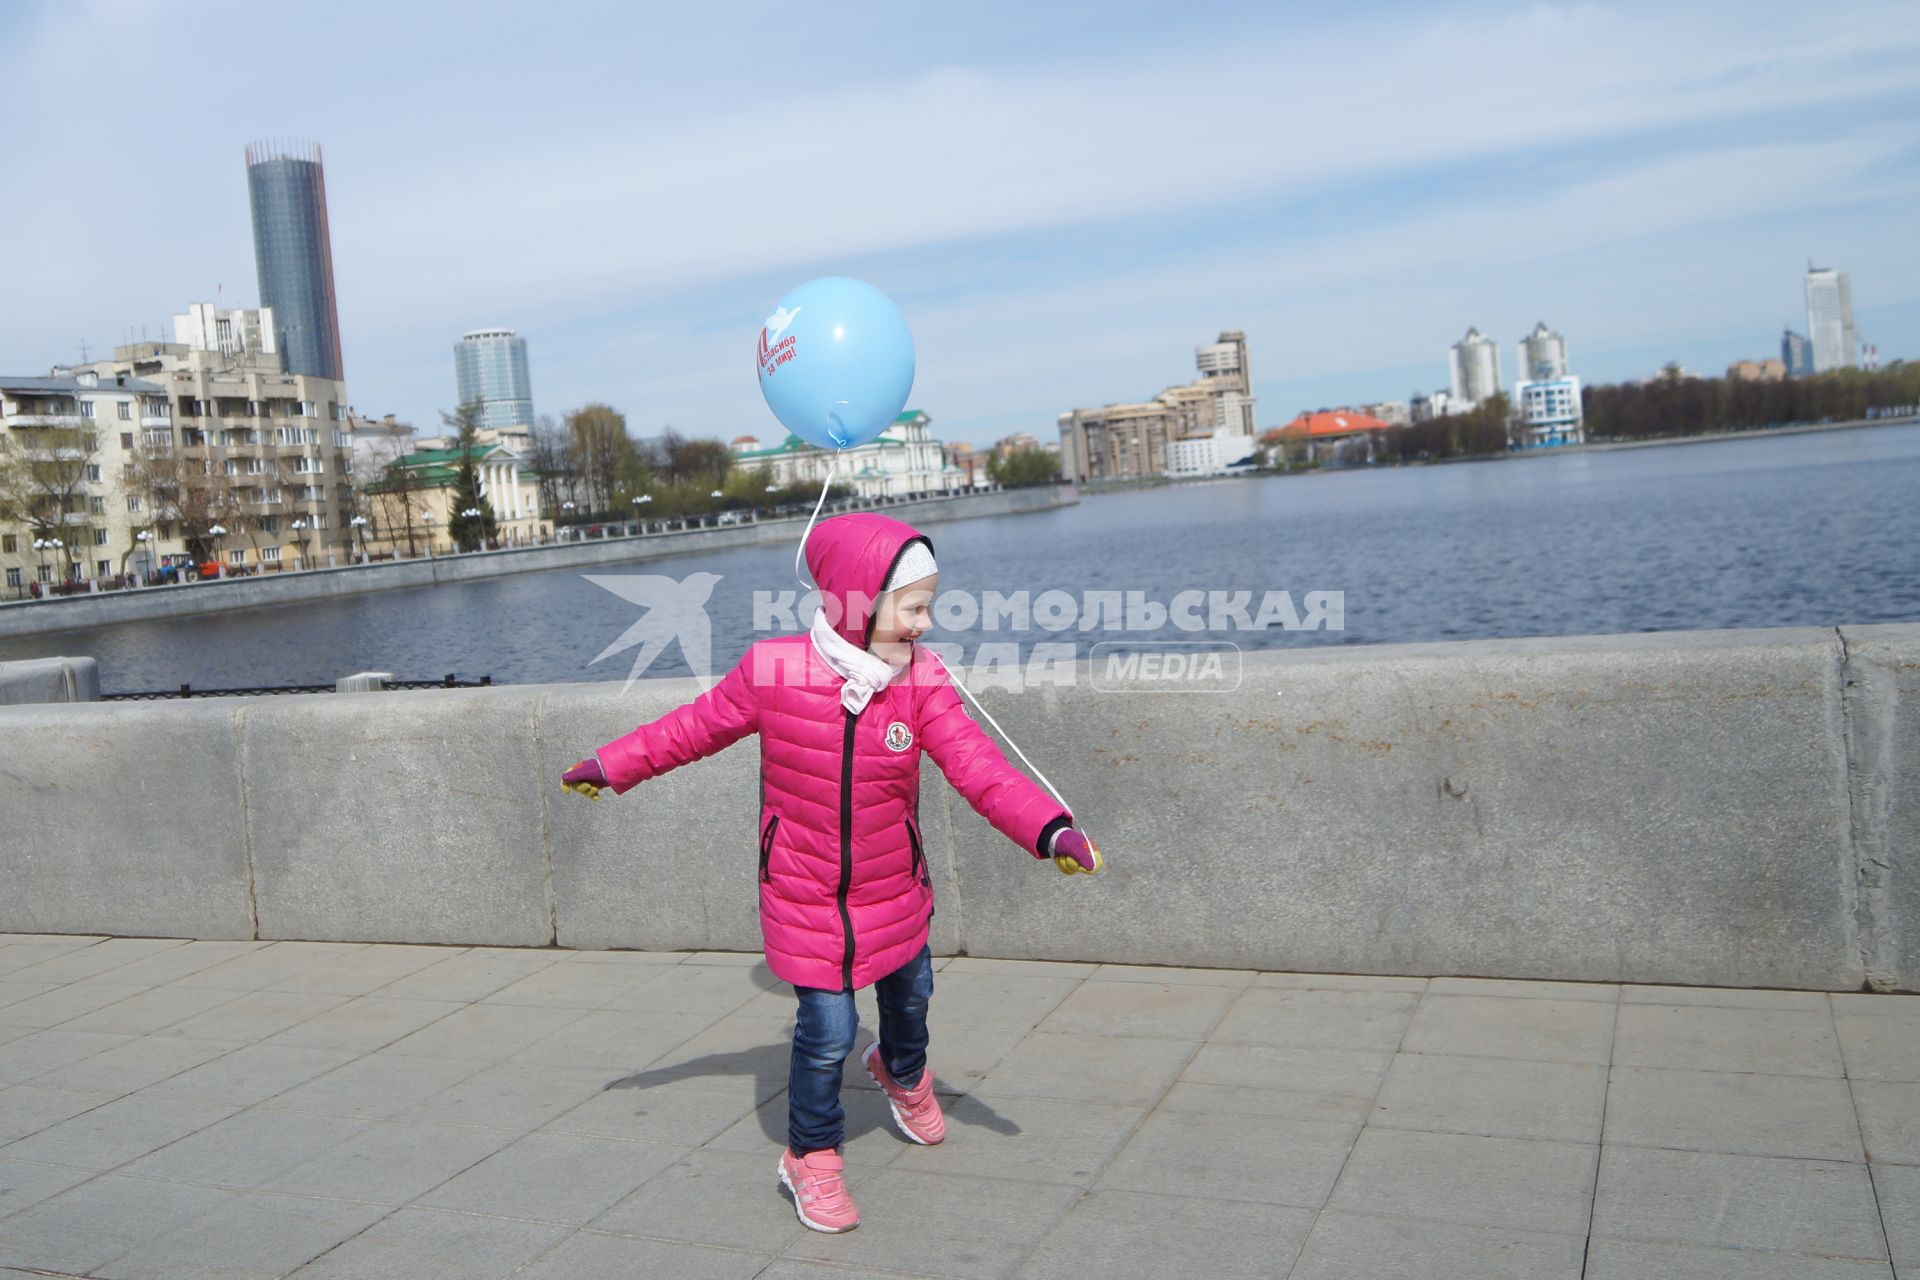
<point x="491" y="367"/>
<point x="294" y="255"/>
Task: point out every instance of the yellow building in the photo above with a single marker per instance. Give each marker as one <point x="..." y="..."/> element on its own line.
<point x="409" y="510"/>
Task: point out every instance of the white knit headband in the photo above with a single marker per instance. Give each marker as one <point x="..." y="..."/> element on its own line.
<point x="916" y="563"/>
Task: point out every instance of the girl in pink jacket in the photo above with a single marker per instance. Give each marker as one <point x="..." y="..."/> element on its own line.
<point x="843" y="713"/>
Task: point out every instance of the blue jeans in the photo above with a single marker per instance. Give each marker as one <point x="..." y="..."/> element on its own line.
<point x="823" y="1037"/>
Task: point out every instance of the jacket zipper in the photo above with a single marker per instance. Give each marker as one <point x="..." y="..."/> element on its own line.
<point x="846" y="850"/>
<point x="766" y="849"/>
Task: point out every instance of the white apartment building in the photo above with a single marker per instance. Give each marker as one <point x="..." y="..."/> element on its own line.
<point x="1474" y="365"/>
<point x="268" y="454"/>
<point x="1549" y="412"/>
<point x="1543" y="355"/>
<point x="1830" y="320"/>
<point x="66" y="443"/>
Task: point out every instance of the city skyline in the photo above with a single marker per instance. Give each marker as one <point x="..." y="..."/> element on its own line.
<point x="1664" y="216"/>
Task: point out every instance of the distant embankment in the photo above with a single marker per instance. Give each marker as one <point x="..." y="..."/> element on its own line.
<point x="1718" y="808"/>
<point x="69" y="613"/>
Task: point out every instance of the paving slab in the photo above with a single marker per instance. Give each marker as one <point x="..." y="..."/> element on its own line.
<point x="1130" y="1233"/>
<point x="428" y="1244"/>
<point x="1741" y="1113"/>
<point x="97" y="1221"/>
<point x="1771" y="1204"/>
<point x="1502" y="1183"/>
<point x="1635" y="1260"/>
<point x="387" y="1162"/>
<point x="1705" y="1038"/>
<point x="1529" y="1027"/>
<point x="1366" y="1246"/>
<point x="1277" y="1161"/>
<point x="1168" y="1010"/>
<point x="1889" y="1120"/>
<point x="1493" y="1097"/>
<point x="596" y="1255"/>
<point x="253" y="1236"/>
<point x="1897" y="1187"/>
<point x="553" y="1177"/>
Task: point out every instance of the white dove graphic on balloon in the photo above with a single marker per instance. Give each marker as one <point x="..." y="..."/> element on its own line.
<point x="778" y="321"/>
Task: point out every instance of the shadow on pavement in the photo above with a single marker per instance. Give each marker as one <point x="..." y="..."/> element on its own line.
<point x="767" y="1065"/>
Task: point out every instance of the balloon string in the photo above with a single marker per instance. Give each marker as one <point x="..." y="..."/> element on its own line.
<point x="833" y="460"/>
<point x="1003" y="733"/>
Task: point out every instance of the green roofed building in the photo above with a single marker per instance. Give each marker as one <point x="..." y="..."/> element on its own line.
<point x="410" y="506"/>
<point x="903" y="459"/>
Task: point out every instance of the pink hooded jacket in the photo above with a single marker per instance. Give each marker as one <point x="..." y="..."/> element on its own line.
<point x="845" y="894"/>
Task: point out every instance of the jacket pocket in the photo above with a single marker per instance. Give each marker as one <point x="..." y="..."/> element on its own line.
<point x="766" y="849"/>
<point x="919" y="856"/>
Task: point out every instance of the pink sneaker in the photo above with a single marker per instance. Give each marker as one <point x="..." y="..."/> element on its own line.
<point x="819" y="1191"/>
<point x="915" y="1110"/>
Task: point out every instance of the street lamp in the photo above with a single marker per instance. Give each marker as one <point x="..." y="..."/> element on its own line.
<point x="144" y="538"/>
<point x="300" y="538"/>
<point x="359" y="525"/>
<point x="428" y="517"/>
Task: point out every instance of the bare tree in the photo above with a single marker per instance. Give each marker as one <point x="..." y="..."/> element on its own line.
<point x="45" y="479"/>
<point x="552" y="461"/>
<point x="388" y="493"/>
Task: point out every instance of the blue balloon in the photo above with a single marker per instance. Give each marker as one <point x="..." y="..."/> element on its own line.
<point x="836" y="362"/>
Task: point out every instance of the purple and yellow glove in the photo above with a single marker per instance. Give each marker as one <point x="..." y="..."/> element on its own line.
<point x="1074" y="854"/>
<point x="586" y="778"/>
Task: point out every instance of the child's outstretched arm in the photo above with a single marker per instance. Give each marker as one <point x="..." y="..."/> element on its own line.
<point x="1019" y="808"/>
<point x="717" y="719"/>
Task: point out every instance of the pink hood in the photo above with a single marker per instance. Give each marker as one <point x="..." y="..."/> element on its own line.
<point x="850" y="557"/>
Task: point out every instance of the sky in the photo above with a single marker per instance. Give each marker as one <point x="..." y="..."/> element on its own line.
<point x="1063" y="199"/>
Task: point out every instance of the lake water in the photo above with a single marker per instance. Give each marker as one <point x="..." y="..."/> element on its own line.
<point x="1806" y="530"/>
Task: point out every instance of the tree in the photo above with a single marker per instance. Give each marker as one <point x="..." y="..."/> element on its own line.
<point x="390" y="498"/>
<point x="552" y="460"/>
<point x="632" y="477"/>
<point x="1023" y="467"/>
<point x="704" y="464"/>
<point x="469" y="533"/>
<point x="600" y="444"/>
<point x="747" y="486"/>
<point x="44" y="481"/>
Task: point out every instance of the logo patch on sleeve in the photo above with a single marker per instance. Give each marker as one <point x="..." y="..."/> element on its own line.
<point x="899" y="737"/>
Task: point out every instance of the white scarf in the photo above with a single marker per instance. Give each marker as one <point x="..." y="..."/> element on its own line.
<point x="865" y="673"/>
